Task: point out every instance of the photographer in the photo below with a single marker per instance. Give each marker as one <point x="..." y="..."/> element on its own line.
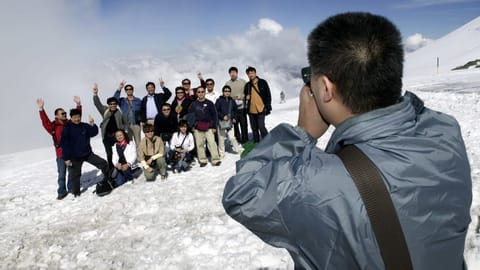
<point x="295" y="196"/>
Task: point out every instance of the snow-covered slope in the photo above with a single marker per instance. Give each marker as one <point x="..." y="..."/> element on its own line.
<point x="453" y="50"/>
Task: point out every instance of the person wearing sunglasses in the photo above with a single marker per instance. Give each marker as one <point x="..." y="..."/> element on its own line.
<point x="113" y="120"/>
<point x="55" y="128"/>
<point x="131" y="107"/>
<point x="181" y="103"/>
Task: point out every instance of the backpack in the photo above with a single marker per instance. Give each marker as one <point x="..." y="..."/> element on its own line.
<point x="103" y="187"/>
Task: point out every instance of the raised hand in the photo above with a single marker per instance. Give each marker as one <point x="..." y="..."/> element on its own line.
<point x="95" y="89"/>
<point x="162" y="83"/>
<point x="40" y="103"/>
<point x="121" y="85"/>
<point x="91" y="120"/>
<point x="77" y="100"/>
<point x="199" y="75"/>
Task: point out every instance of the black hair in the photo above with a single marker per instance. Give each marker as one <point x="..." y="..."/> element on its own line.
<point x="180" y="88"/>
<point x="233" y="69"/>
<point x="226" y="87"/>
<point x="210" y="80"/>
<point x="147" y="127"/>
<point x="112" y="99"/>
<point x="125" y="135"/>
<point x="166" y="104"/>
<point x="186" y="79"/>
<point x="75" y="112"/>
<point x="129" y="85"/>
<point x="149" y="83"/>
<point x="250" y="69"/>
<point x="182" y="123"/>
<point x="362" y="55"/>
<point x="57" y="110"/>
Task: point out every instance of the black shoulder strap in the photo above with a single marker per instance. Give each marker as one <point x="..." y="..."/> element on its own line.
<point x="380" y="209"/>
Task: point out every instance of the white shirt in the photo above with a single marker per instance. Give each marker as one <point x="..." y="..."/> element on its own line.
<point x="212" y="96"/>
<point x="177" y="139"/>
<point x="151" y="107"/>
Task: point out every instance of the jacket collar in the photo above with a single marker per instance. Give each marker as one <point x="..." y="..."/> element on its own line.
<point x="375" y="124"/>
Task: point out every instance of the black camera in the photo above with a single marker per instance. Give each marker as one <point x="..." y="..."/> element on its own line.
<point x="306" y="75"/>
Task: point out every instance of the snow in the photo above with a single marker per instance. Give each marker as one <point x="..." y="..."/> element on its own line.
<point x="179" y="223"/>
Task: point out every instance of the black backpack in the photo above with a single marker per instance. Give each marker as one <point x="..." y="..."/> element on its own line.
<point x="104" y="187"/>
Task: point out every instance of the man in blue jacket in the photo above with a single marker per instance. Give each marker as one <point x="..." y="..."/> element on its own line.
<point x="293" y="195"/>
<point x="131" y="108"/>
<point x="76" y="147"/>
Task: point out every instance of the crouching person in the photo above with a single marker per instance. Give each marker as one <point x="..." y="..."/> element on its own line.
<point x="151" y="155"/>
<point x="124" y="158"/>
<point x="181" y="145"/>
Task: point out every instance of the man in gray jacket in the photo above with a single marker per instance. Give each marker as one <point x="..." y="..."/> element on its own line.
<point x="293" y="195"/>
<point x="113" y="120"/>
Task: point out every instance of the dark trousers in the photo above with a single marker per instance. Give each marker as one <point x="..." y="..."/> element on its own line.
<point x="108" y="142"/>
<point x="241" y="126"/>
<point x="76" y="169"/>
<point x="257" y="123"/>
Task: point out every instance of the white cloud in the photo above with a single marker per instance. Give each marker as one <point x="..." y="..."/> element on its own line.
<point x="415" y="42"/>
<point x="270" y="26"/>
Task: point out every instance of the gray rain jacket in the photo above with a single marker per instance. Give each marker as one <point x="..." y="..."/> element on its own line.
<point x="295" y="196"/>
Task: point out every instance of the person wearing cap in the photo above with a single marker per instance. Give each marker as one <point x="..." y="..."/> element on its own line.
<point x="75" y="142"/>
<point x="113" y="120"/>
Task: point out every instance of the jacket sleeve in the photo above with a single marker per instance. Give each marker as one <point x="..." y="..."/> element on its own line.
<point x="190" y="141"/>
<point x="116" y="94"/>
<point x="92" y="130"/>
<point x="98" y="104"/>
<point x="234" y="110"/>
<point x="166" y="94"/>
<point x="65" y="143"/>
<point x="214" y="114"/>
<point x="115" y="157"/>
<point x="268" y="98"/>
<point x="266" y="179"/>
<point x="46" y="123"/>
<point x="131" y="153"/>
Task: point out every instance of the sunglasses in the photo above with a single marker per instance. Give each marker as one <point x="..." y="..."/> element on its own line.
<point x="112" y="104"/>
<point x="150" y="131"/>
<point x="165" y="110"/>
<point x="185" y="83"/>
<point x="180" y="93"/>
<point x="128" y="89"/>
<point x="64" y="113"/>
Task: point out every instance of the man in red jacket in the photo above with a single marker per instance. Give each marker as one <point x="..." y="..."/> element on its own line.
<point x="55" y="129"/>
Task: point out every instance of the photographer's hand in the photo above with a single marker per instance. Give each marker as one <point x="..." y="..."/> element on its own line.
<point x="309" y="117"/>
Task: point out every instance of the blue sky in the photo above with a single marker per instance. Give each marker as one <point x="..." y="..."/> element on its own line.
<point x="150" y="24"/>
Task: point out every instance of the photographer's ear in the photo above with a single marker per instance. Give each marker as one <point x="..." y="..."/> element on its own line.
<point x="327" y="88"/>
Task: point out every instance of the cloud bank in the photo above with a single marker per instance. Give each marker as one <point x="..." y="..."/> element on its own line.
<point x="415" y="42"/>
<point x="48" y="55"/>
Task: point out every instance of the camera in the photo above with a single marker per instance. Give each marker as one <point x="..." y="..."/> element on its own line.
<point x="306" y="75"/>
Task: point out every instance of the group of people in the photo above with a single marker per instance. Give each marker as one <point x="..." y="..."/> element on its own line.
<point x="195" y="123"/>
